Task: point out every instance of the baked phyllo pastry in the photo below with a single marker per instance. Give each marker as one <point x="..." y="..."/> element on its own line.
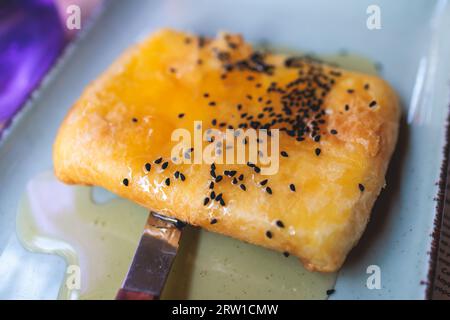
<point x="324" y="137"/>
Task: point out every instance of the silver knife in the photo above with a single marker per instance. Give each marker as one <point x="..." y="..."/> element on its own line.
<point x="153" y="259"/>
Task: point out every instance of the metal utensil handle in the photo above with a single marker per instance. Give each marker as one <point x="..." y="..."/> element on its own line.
<point x="124" y="294"/>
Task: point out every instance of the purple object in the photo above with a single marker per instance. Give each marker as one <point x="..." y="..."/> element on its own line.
<point x="31" y="38"/>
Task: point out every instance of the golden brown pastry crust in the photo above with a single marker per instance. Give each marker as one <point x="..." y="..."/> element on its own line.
<point x="168" y="74"/>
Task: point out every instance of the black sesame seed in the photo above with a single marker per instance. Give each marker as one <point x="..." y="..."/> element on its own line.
<point x="213" y="174"/>
<point x="158" y="161"/>
<point x="333" y="131"/>
<point x="165" y="165"/>
<point x="264" y="182"/>
<point x="366" y="86"/>
<point x="182" y="177"/>
<point x="284" y="154"/>
<point x="234" y="181"/>
<point x="286" y="254"/>
<point x="206" y="95"/>
<point x="241" y="177"/>
<point x="125" y="182"/>
<point x="292" y="187"/>
<point x="317" y="151"/>
<point x="269" y="190"/>
<point x="250" y="164"/>
<point x="148" y="166"/>
<point x="269" y="234"/>
<point x="372" y="104"/>
<point x="350" y="90"/>
<point x="361" y="187"/>
<point x="205" y="201"/>
<point x="231" y="173"/>
<point x="134" y="120"/>
<point x="219" y="178"/>
<point x="213" y="221"/>
<point x="211" y="185"/>
<point x="181" y="115"/>
<point x="280" y="224"/>
<point x="213" y="166"/>
<point x="330" y="292"/>
<point x="212" y="104"/>
<point x="176" y="174"/>
<point x="242" y="186"/>
<point x="257" y="169"/>
<point x="347" y="107"/>
<point x="213" y="195"/>
<point x="167" y="182"/>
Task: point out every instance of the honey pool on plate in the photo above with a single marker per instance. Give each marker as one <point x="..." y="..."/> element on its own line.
<point x="99" y="240"/>
<point x="97" y="235"/>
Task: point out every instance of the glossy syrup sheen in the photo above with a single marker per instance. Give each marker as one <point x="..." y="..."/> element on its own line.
<point x="101" y="238"/>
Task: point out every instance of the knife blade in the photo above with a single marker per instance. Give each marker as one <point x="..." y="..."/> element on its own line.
<point x="153" y="259"/>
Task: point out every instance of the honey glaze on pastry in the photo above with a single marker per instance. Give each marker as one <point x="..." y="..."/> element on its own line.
<point x="337" y="132"/>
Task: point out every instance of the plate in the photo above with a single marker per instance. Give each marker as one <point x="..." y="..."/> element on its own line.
<point x="412" y="55"/>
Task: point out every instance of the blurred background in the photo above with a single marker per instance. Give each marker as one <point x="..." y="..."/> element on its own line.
<point x="33" y="33"/>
